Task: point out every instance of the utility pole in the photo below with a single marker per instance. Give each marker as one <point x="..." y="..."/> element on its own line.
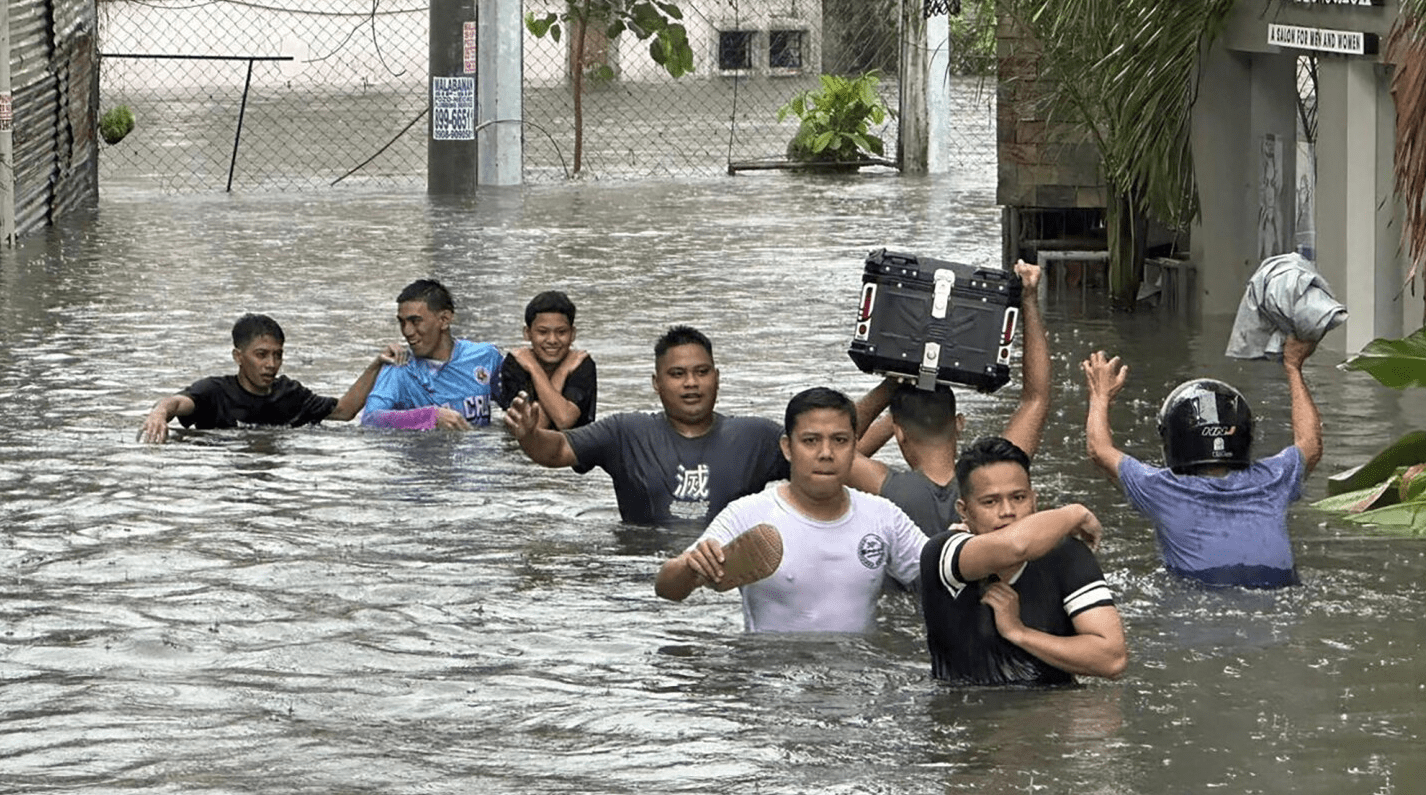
<point x="7" y="132"/>
<point x="500" y="130"/>
<point x="451" y="154"/>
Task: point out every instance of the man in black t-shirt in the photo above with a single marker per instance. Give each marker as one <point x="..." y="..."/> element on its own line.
<point x="257" y="395"/>
<point x="1012" y="596"/>
<point x="563" y="380"/>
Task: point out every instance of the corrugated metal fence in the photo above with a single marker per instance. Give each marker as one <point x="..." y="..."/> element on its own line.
<point x="54" y="81"/>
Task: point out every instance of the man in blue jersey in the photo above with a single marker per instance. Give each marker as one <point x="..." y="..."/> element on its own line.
<point x="1012" y="596"/>
<point x="681" y="464"/>
<point x="1220" y="516"/>
<point x="447" y="382"/>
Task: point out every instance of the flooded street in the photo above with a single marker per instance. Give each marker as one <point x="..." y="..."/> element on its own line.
<point x="341" y="609"/>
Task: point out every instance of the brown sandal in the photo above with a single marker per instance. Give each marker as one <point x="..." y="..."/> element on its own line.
<point x="750" y="557"/>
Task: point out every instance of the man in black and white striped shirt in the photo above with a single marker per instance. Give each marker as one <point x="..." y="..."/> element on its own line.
<point x="1013" y="596"/>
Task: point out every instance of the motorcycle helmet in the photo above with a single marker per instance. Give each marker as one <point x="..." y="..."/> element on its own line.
<point x="1205" y="422"/>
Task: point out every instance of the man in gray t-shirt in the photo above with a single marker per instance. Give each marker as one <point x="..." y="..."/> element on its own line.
<point x="682" y="464"/>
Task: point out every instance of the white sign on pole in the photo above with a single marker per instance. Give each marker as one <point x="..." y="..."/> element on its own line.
<point x="453" y="108"/>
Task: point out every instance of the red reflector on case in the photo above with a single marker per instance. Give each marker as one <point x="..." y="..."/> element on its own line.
<point x="1007" y="331"/>
<point x="868" y="298"/>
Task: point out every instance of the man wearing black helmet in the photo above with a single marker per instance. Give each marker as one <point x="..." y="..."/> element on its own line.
<point x="1220" y="516"/>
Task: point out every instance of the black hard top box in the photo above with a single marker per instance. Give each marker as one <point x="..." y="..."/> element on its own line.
<point x="930" y="321"/>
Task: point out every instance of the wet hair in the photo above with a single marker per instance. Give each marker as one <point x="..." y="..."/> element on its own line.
<point x="250" y="326"/>
<point x="681" y="335"/>
<point x="430" y="292"/>
<point x="549" y="301"/>
<point x="818" y="397"/>
<point x="984" y="452"/>
<point x="925" y="414"/>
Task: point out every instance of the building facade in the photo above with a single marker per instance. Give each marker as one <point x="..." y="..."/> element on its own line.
<point x="1247" y="125"/>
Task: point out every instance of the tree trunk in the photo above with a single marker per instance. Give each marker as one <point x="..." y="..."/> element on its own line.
<point x="1127" y="229"/>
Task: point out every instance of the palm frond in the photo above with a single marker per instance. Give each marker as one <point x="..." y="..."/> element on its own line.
<point x="1406" y="51"/>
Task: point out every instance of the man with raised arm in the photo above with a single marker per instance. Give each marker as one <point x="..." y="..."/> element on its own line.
<point x="838" y="544"/>
<point x="1012" y="596"/>
<point x="257" y="395"/>
<point x="684" y="463"/>
<point x="927" y="427"/>
<point x="447" y="382"/>
<point x="1220" y="516"/>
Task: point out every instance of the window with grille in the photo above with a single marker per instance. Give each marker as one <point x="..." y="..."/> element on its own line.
<point x="784" y="50"/>
<point x="735" y="50"/>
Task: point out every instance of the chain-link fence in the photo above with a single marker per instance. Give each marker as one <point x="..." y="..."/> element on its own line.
<point x="352" y="77"/>
<point x="751" y="57"/>
<point x="305" y="94"/>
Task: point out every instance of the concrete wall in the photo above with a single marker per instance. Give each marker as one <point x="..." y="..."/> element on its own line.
<point x="1247" y="107"/>
<point x="1042" y="164"/>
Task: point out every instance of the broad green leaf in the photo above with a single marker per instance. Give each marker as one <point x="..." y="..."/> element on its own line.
<point x="539" y="26"/>
<point x="1408" y="517"/>
<point x="555" y="32"/>
<point x="646" y="16"/>
<point x="822" y="141"/>
<point x="1395" y="363"/>
<point x="1413" y="483"/>
<point x="673" y="11"/>
<point x="1406" y="451"/>
<point x="1376" y="496"/>
<point x="867" y="93"/>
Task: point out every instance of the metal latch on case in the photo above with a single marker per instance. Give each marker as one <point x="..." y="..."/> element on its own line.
<point x="945" y="279"/>
<point x="930" y="365"/>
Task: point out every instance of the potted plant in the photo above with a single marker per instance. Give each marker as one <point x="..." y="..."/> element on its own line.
<point x="837" y="121"/>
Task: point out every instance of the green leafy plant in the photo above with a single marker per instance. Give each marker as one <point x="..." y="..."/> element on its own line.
<point x="1389" y="491"/>
<point x="657" y="22"/>
<point x="972" y="40"/>
<point x="836" y="121"/>
<point x="116" y="124"/>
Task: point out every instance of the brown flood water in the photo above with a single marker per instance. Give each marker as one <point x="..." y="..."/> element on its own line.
<point x="344" y="610"/>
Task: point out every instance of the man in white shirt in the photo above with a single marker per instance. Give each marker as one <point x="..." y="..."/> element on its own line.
<point x="838" y="544"/>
